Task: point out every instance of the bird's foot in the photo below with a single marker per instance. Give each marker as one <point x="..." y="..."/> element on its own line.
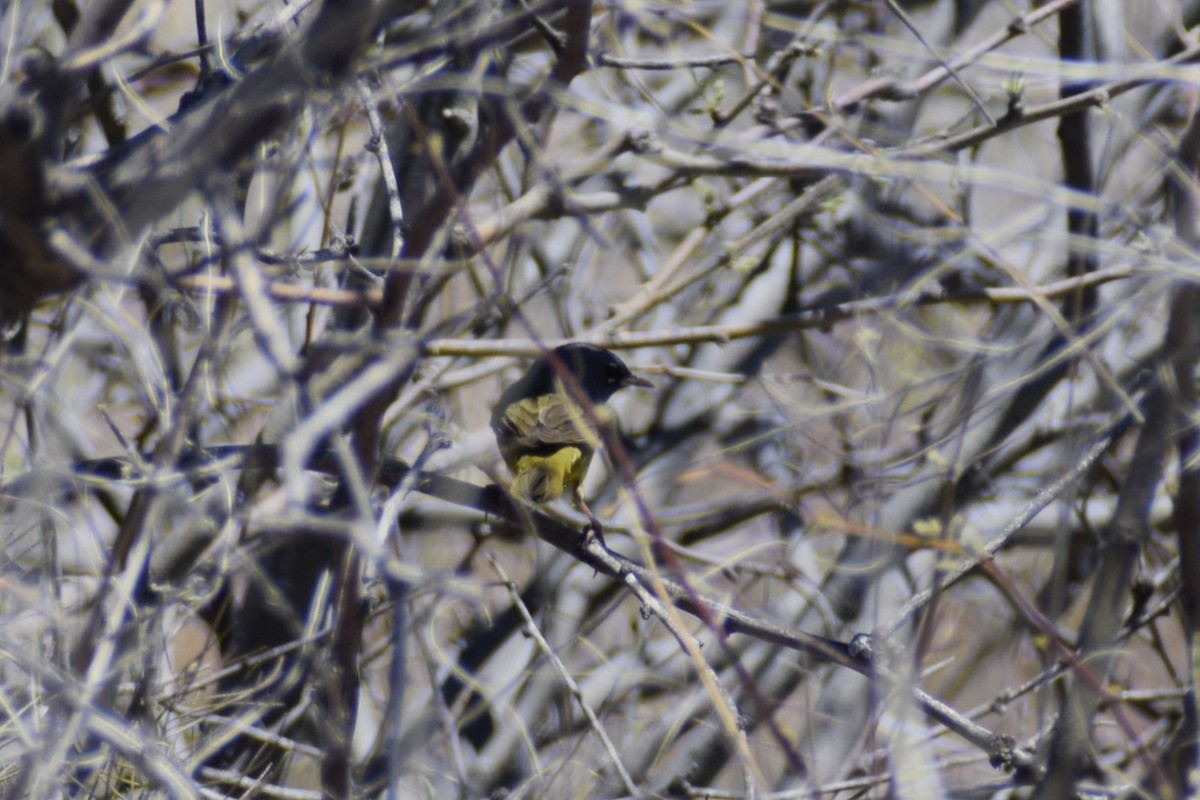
<point x="593" y="532"/>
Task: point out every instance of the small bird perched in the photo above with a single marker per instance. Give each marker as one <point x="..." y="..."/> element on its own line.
<point x="545" y="434"/>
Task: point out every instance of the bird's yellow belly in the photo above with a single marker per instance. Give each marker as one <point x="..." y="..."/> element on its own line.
<point x="542" y="478"/>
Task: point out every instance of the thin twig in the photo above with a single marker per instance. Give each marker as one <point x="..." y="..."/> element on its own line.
<point x="532" y="629"/>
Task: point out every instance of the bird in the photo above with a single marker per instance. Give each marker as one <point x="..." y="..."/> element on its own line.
<point x="546" y="436"/>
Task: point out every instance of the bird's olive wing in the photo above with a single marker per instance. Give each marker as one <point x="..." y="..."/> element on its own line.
<point x="548" y="420"/>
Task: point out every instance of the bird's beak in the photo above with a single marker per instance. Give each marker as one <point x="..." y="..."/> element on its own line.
<point x="634" y="380"/>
